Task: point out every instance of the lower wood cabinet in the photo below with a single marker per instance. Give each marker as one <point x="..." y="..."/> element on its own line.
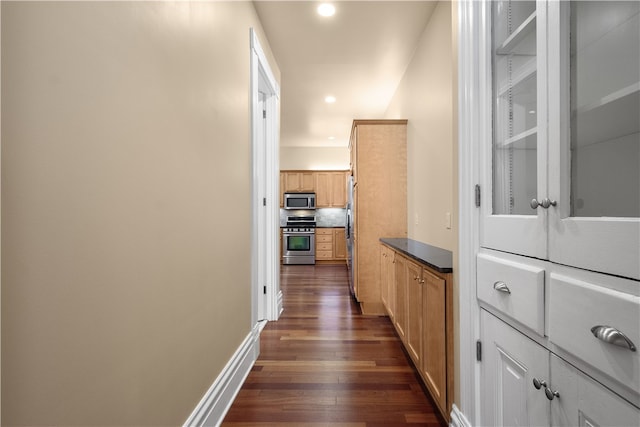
<point x="419" y="301"/>
<point x="387" y="279"/>
<point x="331" y="245"/>
<point x="434" y="347"/>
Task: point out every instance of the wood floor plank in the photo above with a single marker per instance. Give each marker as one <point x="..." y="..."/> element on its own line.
<point x="325" y="364"/>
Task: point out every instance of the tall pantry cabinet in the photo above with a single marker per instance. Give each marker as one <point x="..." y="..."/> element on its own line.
<point x="558" y="268"/>
<point x="379" y="168"/>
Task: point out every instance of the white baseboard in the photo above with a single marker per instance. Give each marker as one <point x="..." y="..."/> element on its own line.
<point x="214" y="405"/>
<point x="457" y="418"/>
<point x="280" y="305"/>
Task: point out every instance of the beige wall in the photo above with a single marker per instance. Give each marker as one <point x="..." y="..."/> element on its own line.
<point x="427" y="96"/>
<point x="314" y="158"/>
<point x="424" y="97"/>
<point x="125" y="279"/>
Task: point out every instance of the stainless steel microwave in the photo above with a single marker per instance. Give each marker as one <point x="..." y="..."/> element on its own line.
<point x="299" y="200"/>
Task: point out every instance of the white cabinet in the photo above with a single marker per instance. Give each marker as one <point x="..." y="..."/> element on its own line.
<point x="510" y="362"/>
<point x="561" y="141"/>
<point x="524" y="384"/>
<point x="583" y="402"/>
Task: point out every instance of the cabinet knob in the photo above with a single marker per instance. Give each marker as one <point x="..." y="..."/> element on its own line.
<point x="501" y="287"/>
<point x="538" y="384"/>
<point x="545" y="203"/>
<point x="612" y="336"/>
<point x="551" y="394"/>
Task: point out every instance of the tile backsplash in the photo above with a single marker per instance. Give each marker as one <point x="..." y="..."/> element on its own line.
<point x="325" y="217"/>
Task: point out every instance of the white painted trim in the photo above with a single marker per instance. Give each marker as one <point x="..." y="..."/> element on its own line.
<point x="216" y="402"/>
<point x="263" y="80"/>
<point x="470" y="125"/>
<point x="457" y="418"/>
<point x="280" y="304"/>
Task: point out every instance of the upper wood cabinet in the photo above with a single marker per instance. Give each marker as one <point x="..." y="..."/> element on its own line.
<point x="331" y="189"/>
<point x="330" y="186"/>
<point x="379" y="152"/>
<point x="298" y="181"/>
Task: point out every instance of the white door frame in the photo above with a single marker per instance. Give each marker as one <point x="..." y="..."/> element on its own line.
<point x="266" y="297"/>
<point x="471" y="65"/>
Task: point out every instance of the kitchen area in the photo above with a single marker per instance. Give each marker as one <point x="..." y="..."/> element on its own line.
<point x="358" y="218"/>
<point x="313" y="216"/>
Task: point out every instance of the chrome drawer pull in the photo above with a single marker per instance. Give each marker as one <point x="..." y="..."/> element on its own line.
<point x="501" y="287"/>
<point x="612" y="336"/>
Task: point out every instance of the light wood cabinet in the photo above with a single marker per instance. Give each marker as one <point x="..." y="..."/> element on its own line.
<point x="400" y="319"/>
<point x="422" y="313"/>
<point x="331" y="189"/>
<point x="330" y="245"/>
<point x="434" y="348"/>
<point x="414" y="312"/>
<point x="298" y="181"/>
<point x="339" y="244"/>
<point x="330" y="186"/>
<point x="379" y="152"/>
<point x="387" y="277"/>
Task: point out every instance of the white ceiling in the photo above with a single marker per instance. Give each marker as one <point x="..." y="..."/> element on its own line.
<point x="359" y="56"/>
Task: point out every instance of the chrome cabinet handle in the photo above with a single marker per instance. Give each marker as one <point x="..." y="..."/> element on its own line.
<point x="545" y="203"/>
<point x="538" y="384"/>
<point x="421" y="281"/>
<point x="612" y="336"/>
<point x="551" y="393"/>
<point x="501" y="287"/>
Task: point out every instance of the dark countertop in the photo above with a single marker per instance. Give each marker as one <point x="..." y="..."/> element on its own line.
<point x="439" y="259"/>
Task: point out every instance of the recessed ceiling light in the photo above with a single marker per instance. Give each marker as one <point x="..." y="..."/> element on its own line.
<point x="332" y="138"/>
<point x="330" y="99"/>
<point x="326" y="9"/>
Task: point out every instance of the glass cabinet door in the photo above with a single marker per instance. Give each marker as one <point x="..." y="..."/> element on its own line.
<point x="515" y="107"/>
<point x="596" y="222"/>
<point x="517" y="53"/>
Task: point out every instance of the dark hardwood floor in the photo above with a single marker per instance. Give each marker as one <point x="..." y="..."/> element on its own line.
<point x="324" y="364"/>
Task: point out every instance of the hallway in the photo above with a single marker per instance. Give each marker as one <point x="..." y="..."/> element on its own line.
<point x="324" y="364"/>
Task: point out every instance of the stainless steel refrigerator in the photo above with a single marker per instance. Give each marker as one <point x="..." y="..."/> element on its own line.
<point x="349" y="232"/>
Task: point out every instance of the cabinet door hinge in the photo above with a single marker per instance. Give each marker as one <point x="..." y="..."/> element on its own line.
<point x="264" y="289"/>
<point x="477" y="195"/>
<point x="478" y="350"/>
<point x="264" y="114"/>
<point x="264" y="201"/>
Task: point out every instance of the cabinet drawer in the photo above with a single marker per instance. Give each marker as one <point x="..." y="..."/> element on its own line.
<point x="324" y="254"/>
<point x="324" y="231"/>
<point x="576" y="306"/>
<point x="324" y="246"/>
<point x="522" y="295"/>
<point x="321" y="238"/>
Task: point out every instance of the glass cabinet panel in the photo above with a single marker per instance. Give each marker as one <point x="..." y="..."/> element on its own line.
<point x="605" y="108"/>
<point x="515" y="107"/>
